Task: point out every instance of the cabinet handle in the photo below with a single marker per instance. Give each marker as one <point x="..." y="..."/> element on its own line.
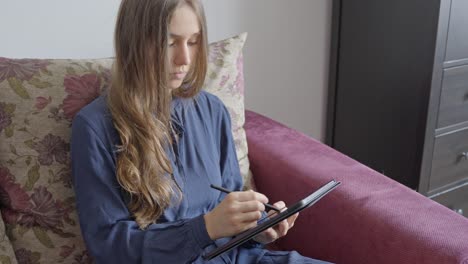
<point x="458" y="211"/>
<point x="464" y="155"/>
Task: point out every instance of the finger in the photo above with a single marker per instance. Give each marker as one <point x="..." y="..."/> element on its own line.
<point x="271" y="234"/>
<point x="280" y="228"/>
<point x="250" y="225"/>
<point x="292" y="219"/>
<point x="246" y="226"/>
<point x="280" y="205"/>
<point x="283" y="228"/>
<point x="251" y="206"/>
<point x="249" y="217"/>
<point x="250" y="195"/>
<point x="271" y="213"/>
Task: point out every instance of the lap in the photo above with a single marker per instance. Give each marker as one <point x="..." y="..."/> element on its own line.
<point x="263" y="256"/>
<point x="286" y="257"/>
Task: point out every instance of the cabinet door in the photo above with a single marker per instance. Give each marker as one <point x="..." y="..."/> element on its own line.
<point x="455" y="199"/>
<point x="453" y="107"/>
<point x="450" y="160"/>
<point x="457" y="42"/>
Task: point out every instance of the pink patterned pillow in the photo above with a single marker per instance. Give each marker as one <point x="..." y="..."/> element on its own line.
<point x="225" y="79"/>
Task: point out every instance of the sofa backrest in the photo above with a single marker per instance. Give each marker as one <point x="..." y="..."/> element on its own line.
<point x="38" y="100"/>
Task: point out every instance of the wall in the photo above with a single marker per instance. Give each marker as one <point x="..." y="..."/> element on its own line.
<point x="286" y="55"/>
<point x="57" y="28"/>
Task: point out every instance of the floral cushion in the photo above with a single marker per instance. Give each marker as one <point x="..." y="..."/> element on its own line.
<point x="6" y="250"/>
<point x="38" y="100"/>
<point x="225" y="79"/>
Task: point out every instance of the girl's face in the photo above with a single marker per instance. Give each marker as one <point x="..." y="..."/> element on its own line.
<point x="184" y="34"/>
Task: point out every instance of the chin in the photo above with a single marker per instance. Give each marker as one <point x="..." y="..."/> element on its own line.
<point x="174" y="85"/>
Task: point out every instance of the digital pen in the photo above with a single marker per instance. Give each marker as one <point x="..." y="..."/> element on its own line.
<point x="269" y="206"/>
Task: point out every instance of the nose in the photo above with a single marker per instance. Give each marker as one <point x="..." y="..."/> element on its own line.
<point x="183" y="56"/>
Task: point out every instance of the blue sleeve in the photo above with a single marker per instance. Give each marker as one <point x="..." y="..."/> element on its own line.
<point x="230" y="171"/>
<point x="110" y="233"/>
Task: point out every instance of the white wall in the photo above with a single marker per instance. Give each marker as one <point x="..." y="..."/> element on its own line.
<point x="57" y="28"/>
<point x="286" y="55"/>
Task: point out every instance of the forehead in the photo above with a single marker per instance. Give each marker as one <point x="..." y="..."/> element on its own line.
<point x="184" y="22"/>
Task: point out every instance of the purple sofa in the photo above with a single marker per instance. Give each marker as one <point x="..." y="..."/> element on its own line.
<point x="369" y="218"/>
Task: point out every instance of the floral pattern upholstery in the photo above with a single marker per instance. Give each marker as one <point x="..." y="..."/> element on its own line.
<point x="225" y="79"/>
<point x="7" y="255"/>
<point x="38" y="100"/>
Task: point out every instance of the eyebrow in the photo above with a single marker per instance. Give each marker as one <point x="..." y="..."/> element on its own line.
<point x="172" y="35"/>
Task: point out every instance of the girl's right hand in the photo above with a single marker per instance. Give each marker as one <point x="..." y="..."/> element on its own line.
<point x="238" y="212"/>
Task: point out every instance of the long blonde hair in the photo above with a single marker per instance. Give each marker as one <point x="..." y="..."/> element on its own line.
<point x="140" y="102"/>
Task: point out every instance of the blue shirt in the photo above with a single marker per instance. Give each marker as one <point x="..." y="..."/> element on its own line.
<point x="204" y="154"/>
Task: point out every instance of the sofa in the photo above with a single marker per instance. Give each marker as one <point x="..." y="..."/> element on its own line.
<point x="369" y="218"/>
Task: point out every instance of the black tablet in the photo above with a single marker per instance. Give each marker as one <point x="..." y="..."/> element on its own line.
<point x="299" y="206"/>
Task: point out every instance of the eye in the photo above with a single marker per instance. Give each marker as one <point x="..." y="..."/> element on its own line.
<point x="193" y="41"/>
<point x="171" y="42"/>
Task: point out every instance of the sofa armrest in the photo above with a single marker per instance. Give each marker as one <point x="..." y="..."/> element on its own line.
<point x="369" y="218"/>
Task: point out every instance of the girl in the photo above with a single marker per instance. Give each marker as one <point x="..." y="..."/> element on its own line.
<point x="145" y="153"/>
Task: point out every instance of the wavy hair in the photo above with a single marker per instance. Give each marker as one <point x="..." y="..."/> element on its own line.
<point x="139" y="100"/>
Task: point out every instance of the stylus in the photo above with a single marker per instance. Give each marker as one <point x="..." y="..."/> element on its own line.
<point x="269" y="206"/>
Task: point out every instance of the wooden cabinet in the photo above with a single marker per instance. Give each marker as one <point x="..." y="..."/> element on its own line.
<point x="398" y="92"/>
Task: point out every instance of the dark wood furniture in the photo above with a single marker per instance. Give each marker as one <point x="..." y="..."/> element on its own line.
<point x="398" y="97"/>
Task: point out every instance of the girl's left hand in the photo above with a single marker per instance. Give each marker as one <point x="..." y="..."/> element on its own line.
<point x="279" y="230"/>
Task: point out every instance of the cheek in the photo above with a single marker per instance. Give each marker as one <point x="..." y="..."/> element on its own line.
<point x="170" y="55"/>
<point x="193" y="54"/>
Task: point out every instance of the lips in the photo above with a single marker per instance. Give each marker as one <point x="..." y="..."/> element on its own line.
<point x="178" y="75"/>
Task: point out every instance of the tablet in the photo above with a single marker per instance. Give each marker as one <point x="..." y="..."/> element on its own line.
<point x="297" y="207"/>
